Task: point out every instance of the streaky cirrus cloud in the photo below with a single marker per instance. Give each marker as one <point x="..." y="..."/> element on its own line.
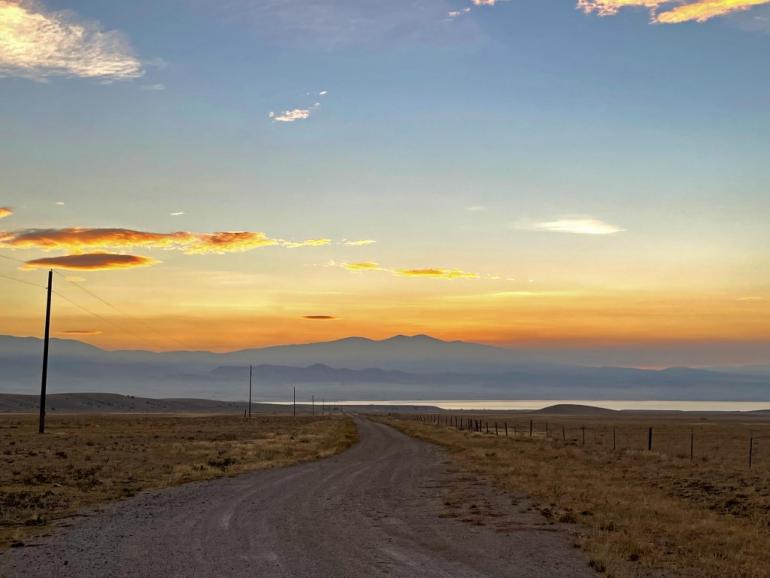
<point x="35" y="43"/>
<point x="437" y="273"/>
<point x="5" y="212"/>
<point x="671" y="11"/>
<point x="706" y="10"/>
<point x="574" y="225"/>
<point x="358" y="243"/>
<point x="319" y="317"/>
<point x="89" y="239"/>
<point x="485" y="2"/>
<point x="83" y="332"/>
<point x="424" y="273"/>
<point x="307" y="243"/>
<point x="363" y="266"/>
<point x="90" y="262"/>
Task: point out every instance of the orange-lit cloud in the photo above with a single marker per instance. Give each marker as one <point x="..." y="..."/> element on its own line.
<point x="80" y="332"/>
<point x="671" y="11"/>
<point x="85" y="239"/>
<point x="319" y="317"/>
<point x="36" y="44"/>
<point x="437" y="273"/>
<point x="228" y="242"/>
<point x="5" y="212"/>
<point x="79" y="239"/>
<point x="90" y="262"/>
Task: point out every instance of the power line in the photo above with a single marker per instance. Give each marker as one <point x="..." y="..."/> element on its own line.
<point x="22" y="281"/>
<point x="118" y="310"/>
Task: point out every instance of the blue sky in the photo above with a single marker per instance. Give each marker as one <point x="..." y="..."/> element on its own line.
<point x="450" y="140"/>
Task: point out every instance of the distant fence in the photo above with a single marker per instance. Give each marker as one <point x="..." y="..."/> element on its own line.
<point x="721" y="442"/>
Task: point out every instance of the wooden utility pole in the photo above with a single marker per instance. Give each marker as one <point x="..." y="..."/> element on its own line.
<point x="312" y="404"/>
<point x="44" y="381"/>
<point x="294" y="403"/>
<point x="251" y="370"/>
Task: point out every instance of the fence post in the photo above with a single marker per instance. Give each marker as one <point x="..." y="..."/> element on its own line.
<point x="692" y="444"/>
<point x="614" y="444"/>
<point x="649" y="440"/>
<point x="531" y="428"/>
<point x="751" y="447"/>
<point x="496" y="428"/>
<point x="486" y="425"/>
<point x="563" y="433"/>
<point x="583" y="430"/>
<point x="546" y="430"/>
<point x="506" y="429"/>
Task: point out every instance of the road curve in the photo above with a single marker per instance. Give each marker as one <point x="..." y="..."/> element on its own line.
<point x="389" y="506"/>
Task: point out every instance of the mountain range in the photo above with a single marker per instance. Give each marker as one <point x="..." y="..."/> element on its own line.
<point x="416" y="367"/>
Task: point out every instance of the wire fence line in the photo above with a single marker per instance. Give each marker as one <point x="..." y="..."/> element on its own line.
<point x="717" y="442"/>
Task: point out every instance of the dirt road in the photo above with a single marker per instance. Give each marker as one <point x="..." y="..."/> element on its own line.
<point x="390" y="506"/>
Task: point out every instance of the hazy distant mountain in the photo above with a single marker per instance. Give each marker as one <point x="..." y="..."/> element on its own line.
<point x="419" y="367"/>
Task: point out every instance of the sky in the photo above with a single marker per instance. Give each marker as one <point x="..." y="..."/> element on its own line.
<point x="526" y="173"/>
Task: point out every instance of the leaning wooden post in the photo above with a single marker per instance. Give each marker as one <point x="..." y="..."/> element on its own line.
<point x="751" y="448"/>
<point x="649" y="440"/>
<point x="506" y="429"/>
<point x="44" y="380"/>
<point x="563" y="433"/>
<point x="614" y="445"/>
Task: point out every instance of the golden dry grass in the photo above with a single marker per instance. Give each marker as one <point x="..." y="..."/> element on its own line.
<point x="83" y="460"/>
<point x="637" y="513"/>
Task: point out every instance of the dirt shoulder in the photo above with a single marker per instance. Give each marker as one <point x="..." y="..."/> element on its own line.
<point x="86" y="460"/>
<point x="639" y="513"/>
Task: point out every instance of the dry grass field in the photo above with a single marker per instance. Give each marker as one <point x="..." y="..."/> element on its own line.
<point x="84" y="460"/>
<point x="636" y="512"/>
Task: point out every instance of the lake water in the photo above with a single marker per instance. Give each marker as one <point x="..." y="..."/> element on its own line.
<point x="533" y="404"/>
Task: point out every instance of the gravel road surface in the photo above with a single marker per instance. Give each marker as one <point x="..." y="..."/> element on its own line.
<point x="389" y="506"/>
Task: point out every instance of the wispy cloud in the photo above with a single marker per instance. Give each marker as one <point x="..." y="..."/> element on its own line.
<point x="292" y="115"/>
<point x="437" y="273"/>
<point x="81" y="332"/>
<point x="456" y="13"/>
<point x="319" y="317"/>
<point x="424" y="273"/>
<point x="672" y="11"/>
<point x="35" y="43"/>
<point x="358" y="243"/>
<point x="308" y="243"/>
<point x="90" y="262"/>
<point x="5" y="212"/>
<point x="177" y="213"/>
<point x="157" y="87"/>
<point x="574" y="225"/>
<point x="363" y="266"/>
<point x="86" y="239"/>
